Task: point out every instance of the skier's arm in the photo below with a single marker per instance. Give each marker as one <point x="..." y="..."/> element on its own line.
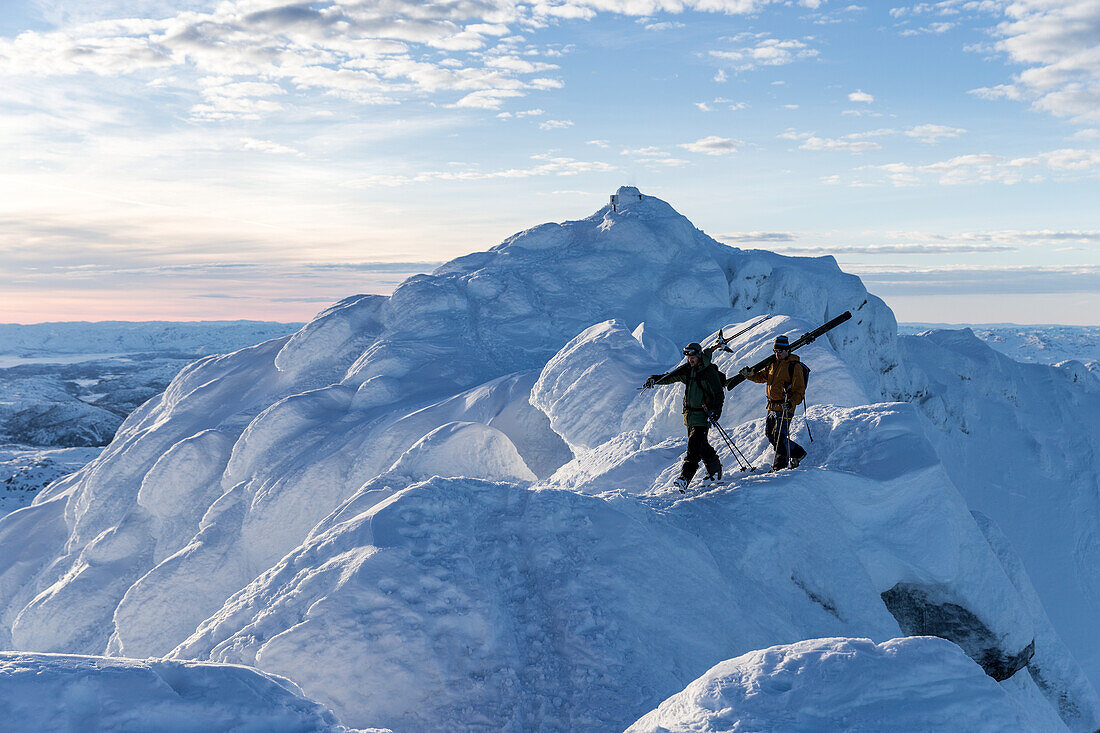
<point x="676" y="375"/>
<point x="760" y="377"/>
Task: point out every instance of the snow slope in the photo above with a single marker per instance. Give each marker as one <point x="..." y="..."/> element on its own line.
<point x="451" y="508"/>
<point x="1022" y="442"/>
<point x="60" y="692"/>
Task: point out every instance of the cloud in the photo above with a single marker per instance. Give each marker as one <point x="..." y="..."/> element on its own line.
<point x="860" y="96"/>
<point x="703" y="106"/>
<point x="713" y="145"/>
<point x="1059" y="44"/>
<point x="654" y="156"/>
<point x="894" y="249"/>
<point x="987" y="168"/>
<point x="555" y="124"/>
<point x="766" y="52"/>
<point x="855" y="142"/>
<point x="548" y="165"/>
<point x="464" y="53"/>
<point x="980" y="279"/>
<point x="267" y="146"/>
<point x="753" y="237"/>
<point x="932" y="134"/>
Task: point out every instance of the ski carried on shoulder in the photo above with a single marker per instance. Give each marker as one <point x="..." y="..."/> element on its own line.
<point x="722" y="342"/>
<point x="801" y="341"/>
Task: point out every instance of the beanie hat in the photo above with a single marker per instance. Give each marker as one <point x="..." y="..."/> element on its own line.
<point x="781" y="342"/>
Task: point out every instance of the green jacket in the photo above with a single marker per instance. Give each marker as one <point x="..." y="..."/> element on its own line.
<point x="703" y="386"/>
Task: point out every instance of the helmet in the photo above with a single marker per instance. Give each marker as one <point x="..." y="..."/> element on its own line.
<point x="693" y="349"/>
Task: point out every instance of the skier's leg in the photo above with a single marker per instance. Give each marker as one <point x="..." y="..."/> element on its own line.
<point x="710" y="456"/>
<point x="782" y="441"/>
<point x="771" y="428"/>
<point x="696" y="437"/>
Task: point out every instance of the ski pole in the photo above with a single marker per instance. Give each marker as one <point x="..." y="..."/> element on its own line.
<point x="787" y="401"/>
<point x="743" y="462"/>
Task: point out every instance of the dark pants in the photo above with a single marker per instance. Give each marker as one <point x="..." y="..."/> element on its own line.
<point x="699" y="448"/>
<point x="778" y="430"/>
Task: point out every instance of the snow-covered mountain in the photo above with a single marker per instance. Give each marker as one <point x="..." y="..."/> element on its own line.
<point x="451" y="509"/>
<point x="1027" y="343"/>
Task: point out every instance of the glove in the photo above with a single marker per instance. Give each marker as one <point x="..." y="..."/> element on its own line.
<point x="745" y="372"/>
<point x="787" y="407"/>
<point x="714" y="415"/>
<point x="651" y="381"/>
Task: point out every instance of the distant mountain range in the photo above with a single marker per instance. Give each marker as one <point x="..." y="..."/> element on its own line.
<point x="66" y="387"/>
<point x="1034" y="344"/>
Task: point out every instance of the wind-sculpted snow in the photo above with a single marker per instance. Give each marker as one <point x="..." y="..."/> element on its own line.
<point x="451" y="509"/>
<point x="468" y="603"/>
<point x="1022" y="442"/>
<point x="62" y="692"/>
<point x="913" y="684"/>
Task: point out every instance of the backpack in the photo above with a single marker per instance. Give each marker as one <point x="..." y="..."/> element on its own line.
<point x="805" y="377"/>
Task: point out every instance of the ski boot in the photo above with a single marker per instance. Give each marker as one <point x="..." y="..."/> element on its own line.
<point x="681" y="484"/>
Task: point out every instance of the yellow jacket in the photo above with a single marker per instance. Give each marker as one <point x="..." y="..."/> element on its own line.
<point x="777" y="376"/>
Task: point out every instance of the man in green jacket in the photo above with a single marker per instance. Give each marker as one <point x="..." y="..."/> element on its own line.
<point x="703" y="399"/>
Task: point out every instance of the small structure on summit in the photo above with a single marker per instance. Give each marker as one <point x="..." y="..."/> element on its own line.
<point x="623" y="195"/>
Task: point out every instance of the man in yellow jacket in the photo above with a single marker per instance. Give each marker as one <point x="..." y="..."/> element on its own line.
<point x="786" y="388"/>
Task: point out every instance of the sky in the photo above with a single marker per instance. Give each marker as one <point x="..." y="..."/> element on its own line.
<point x="255" y="159"/>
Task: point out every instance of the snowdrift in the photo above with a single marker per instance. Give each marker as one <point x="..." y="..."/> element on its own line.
<point x="914" y="684"/>
<point x="451" y="508"/>
<point x="61" y="692"/>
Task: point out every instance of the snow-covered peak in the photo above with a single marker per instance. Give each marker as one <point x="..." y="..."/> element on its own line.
<point x="514" y="306"/>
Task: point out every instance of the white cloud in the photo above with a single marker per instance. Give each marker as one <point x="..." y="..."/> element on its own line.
<point x="653" y="155"/>
<point x="720" y="76"/>
<point x="598" y="143"/>
<point x="1059" y="44"/>
<point x="713" y="145"/>
<point x="860" y="96"/>
<point x="555" y="124"/>
<point x="987" y="168"/>
<point x="522" y="113"/>
<point x="766" y="52"/>
<point x="267" y="146"/>
<point x="703" y="106"/>
<point x="852" y="146"/>
<point x="932" y="134"/>
<point x="547" y="165"/>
